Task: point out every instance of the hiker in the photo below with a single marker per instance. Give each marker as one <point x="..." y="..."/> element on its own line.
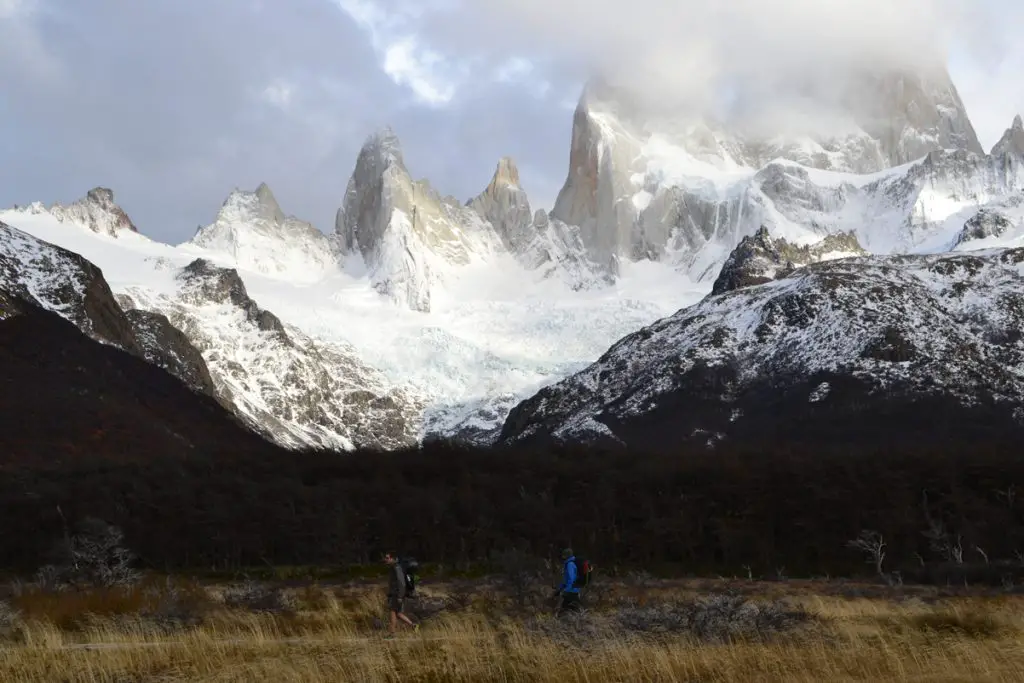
<point x="396" y="593"/>
<point x="569" y="590"/>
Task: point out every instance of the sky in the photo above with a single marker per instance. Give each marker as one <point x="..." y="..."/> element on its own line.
<point x="174" y="103"/>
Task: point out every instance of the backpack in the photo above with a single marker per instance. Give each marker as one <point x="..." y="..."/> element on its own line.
<point x="410" y="568"/>
<point x="583" y="571"/>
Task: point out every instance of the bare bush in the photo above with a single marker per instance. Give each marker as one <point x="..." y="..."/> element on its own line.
<point x="715" y="618"/>
<point x="9" y="616"/>
<point x="640" y="579"/>
<point x="424" y="608"/>
<point x="95" y="555"/>
<point x="257" y="597"/>
<point x="941" y="541"/>
<point x="172" y="606"/>
<point x="520" y="574"/>
<point x="460" y="598"/>
<point x="572" y="629"/>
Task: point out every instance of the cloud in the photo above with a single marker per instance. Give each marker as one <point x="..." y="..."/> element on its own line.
<point x="407" y="65"/>
<point x="175" y="103"/>
<point x="432" y="78"/>
<point x="279" y="94"/>
<point x="685" y="52"/>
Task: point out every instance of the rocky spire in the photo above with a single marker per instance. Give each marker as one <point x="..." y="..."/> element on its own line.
<point x="405" y="232"/>
<point x="1012" y="142"/>
<point x="380" y="170"/>
<point x="505" y="206"/>
<point x="268" y="205"/>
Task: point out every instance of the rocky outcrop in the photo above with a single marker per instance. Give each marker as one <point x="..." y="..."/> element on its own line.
<point x="760" y="258"/>
<point x="297" y="391"/>
<point x="923" y="348"/>
<point x="255" y="233"/>
<point x="167" y="347"/>
<point x="909" y="115"/>
<point x="409" y="237"/>
<point x="97" y="211"/>
<point x="63" y="282"/>
<point x="204" y="283"/>
<point x="983" y="225"/>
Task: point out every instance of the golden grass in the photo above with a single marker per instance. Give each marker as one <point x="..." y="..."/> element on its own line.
<point x="332" y="636"/>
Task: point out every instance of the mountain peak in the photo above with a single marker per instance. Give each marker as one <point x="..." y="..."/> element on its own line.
<point x="507" y="173"/>
<point x="259" y="206"/>
<point x="265" y="196"/>
<point x="252" y="229"/>
<point x="96" y="211"/>
<point x="505" y="206"/>
<point x="384" y="148"/>
<point x="1012" y="142"/>
<point x="101" y="195"/>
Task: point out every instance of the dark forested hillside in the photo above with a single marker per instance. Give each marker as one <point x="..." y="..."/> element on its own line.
<point x="92" y="431"/>
<point x="703" y="512"/>
<point x="64" y="396"/>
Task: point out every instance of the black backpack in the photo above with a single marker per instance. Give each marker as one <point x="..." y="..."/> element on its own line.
<point x="583" y="571"/>
<point x="410" y="568"/>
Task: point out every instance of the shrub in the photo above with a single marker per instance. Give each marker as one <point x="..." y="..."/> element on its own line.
<point x="95" y="556"/>
<point x="715" y="618"/>
<point x="257" y="597"/>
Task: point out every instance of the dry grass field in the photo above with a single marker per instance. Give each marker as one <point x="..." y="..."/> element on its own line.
<point x="640" y="630"/>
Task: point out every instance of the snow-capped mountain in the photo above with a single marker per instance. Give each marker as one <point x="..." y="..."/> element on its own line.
<point x="255" y="233"/>
<point x="197" y="321"/>
<point x="422" y="315"/>
<point x="645" y="186"/>
<point x="827" y="343"/>
<point x="97" y="211"/>
<point x="409" y="236"/>
<point x="295" y="390"/>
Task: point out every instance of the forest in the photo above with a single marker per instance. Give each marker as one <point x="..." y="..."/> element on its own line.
<point x="747" y="512"/>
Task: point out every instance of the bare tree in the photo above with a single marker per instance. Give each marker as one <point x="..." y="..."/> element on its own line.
<point x="1009" y="495"/>
<point x="871" y="544"/>
<point x="941" y="541"/>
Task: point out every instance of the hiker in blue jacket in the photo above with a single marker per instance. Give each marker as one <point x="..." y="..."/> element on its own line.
<point x="568" y="590"/>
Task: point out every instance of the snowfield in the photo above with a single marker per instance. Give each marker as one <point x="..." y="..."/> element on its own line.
<point x="492" y="340"/>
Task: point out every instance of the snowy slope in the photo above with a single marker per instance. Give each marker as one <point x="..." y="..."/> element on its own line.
<point x="255" y="233"/>
<point x="848" y="334"/>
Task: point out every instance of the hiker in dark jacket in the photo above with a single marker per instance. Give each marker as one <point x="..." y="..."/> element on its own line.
<point x="396" y="593"/>
<point x="568" y="590"/>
